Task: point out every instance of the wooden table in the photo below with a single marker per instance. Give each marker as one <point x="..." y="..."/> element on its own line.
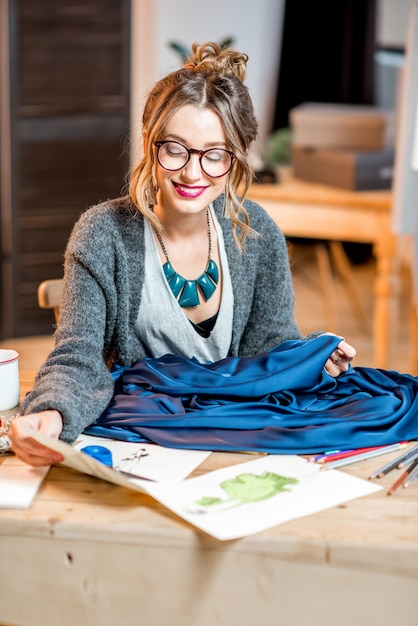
<point x="312" y="211"/>
<point x="91" y="553"/>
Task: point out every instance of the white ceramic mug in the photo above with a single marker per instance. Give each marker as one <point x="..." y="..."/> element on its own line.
<point x="9" y="379"/>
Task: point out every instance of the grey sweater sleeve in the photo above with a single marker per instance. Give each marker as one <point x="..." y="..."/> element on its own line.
<point x="98" y="305"/>
<point x="75" y="380"/>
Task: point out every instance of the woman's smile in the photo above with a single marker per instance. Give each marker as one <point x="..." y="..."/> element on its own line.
<point x="189" y="191"/>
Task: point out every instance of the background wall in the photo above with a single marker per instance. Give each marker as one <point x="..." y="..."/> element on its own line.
<point x="256" y="28"/>
<point x="392" y="22"/>
<point x="391" y="33"/>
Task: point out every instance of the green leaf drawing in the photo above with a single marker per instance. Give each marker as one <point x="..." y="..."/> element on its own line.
<point x="249" y="487"/>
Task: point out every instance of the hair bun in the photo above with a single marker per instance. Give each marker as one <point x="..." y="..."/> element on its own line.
<point x="211" y="57"/>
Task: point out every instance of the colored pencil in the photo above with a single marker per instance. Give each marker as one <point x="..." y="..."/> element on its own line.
<point x="410" y="455"/>
<point x="347" y="453"/>
<point x="336" y="454"/>
<point x="364" y="456"/>
<point x="400" y="461"/>
<point x="412" y="476"/>
<point x="403" y="478"/>
<point x="315" y="458"/>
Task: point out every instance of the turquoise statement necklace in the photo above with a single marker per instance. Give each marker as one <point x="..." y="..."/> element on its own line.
<point x="187" y="291"/>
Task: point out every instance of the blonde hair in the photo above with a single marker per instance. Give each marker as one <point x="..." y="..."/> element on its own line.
<point x="211" y="78"/>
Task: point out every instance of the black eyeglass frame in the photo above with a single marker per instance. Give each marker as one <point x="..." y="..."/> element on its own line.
<point x="190" y="151"/>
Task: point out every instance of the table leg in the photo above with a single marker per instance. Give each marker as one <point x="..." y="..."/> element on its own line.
<point x="386" y="291"/>
<point x="343" y="267"/>
<point x="327" y="286"/>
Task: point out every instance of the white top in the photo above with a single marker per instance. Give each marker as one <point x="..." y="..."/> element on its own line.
<point x="162" y="324"/>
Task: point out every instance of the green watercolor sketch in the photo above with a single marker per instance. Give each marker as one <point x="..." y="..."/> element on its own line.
<point x="246" y="488"/>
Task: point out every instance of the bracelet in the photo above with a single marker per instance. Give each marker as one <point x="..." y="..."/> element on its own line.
<point x="5" y="423"/>
<point x="5" y="443"/>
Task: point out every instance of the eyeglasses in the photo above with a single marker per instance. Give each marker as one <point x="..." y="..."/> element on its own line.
<point x="173" y="156"/>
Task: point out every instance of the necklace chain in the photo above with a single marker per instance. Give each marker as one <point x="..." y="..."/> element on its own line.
<point x="186" y="291"/>
<point x="163" y="248"/>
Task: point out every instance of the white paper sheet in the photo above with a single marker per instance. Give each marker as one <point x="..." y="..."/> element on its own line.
<point x="152" y="461"/>
<point x="236" y="501"/>
<point x="19" y="483"/>
<point x="242" y="500"/>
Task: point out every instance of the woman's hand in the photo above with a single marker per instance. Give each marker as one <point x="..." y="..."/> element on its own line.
<point x="30" y="451"/>
<point x="340" y="359"/>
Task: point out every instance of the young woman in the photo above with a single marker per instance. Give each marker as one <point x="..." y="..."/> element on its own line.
<point x="183" y="265"/>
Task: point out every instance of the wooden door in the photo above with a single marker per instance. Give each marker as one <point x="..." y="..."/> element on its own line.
<point x="65" y="122"/>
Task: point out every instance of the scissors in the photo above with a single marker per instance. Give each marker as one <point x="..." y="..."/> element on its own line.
<point x="104" y="455"/>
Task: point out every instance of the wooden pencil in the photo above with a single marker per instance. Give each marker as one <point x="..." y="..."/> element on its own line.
<point x="400" y="461"/>
<point x="410" y="455"/>
<point x="403" y="477"/>
<point x="412" y="476"/>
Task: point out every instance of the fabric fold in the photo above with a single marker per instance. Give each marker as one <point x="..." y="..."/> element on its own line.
<point x="281" y="401"/>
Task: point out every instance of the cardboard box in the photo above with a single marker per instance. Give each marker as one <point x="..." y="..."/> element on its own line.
<point x="353" y="127"/>
<point x="354" y="170"/>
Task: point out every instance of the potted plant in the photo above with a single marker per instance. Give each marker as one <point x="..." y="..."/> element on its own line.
<point x="277" y="152"/>
<point x="185" y="52"/>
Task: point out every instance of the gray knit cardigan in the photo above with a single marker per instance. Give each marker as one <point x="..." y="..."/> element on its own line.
<point x="103" y="278"/>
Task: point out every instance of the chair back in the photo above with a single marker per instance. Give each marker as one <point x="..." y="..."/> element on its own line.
<point x="49" y="296"/>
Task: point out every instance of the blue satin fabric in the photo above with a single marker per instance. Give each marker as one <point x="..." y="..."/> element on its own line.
<point x="281" y="401"/>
